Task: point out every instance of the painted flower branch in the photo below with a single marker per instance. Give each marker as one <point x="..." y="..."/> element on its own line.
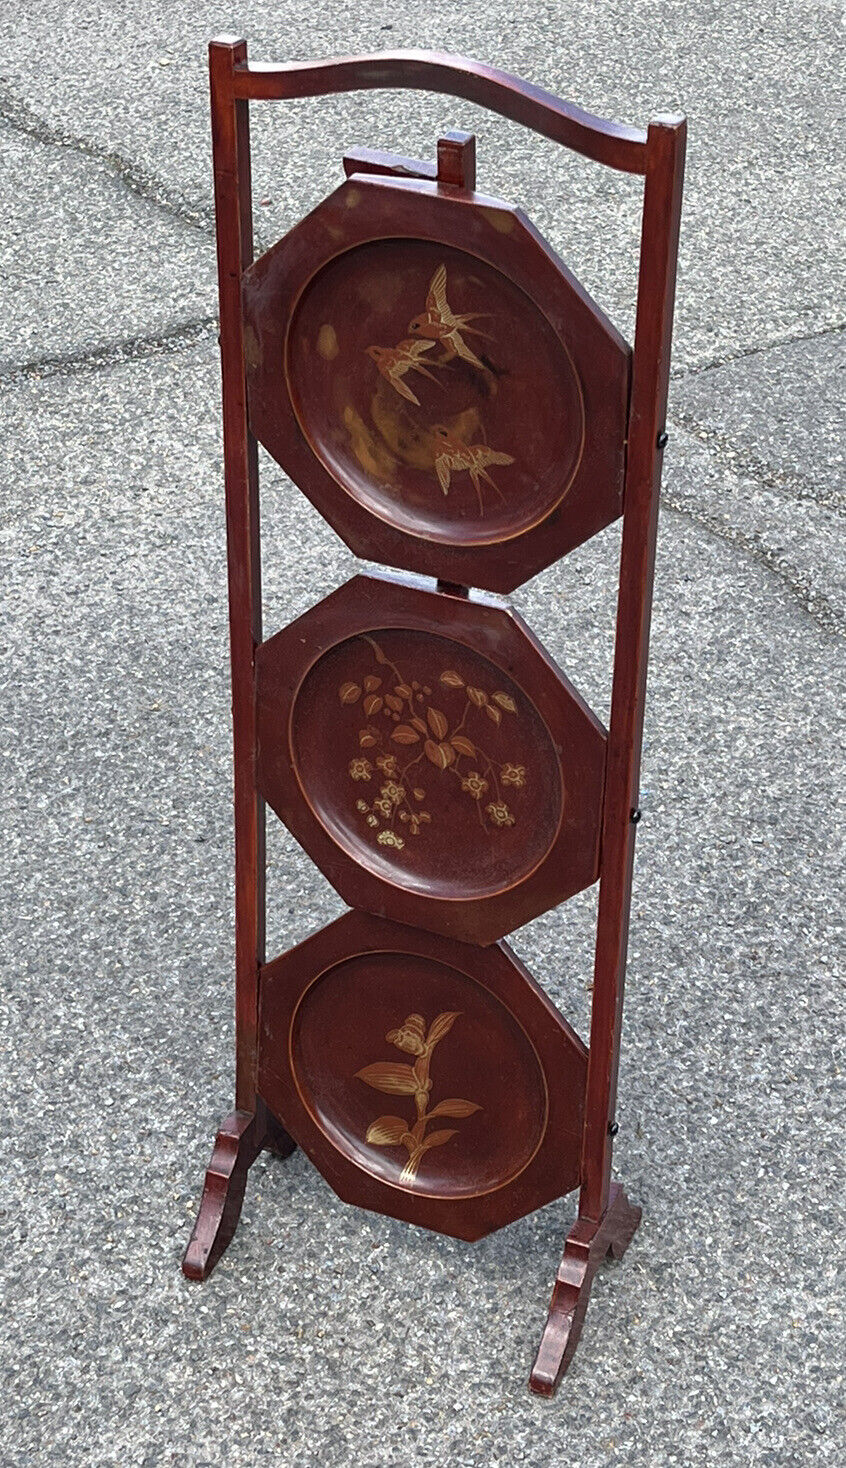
<point x="400" y="1079"/>
<point x="427" y="734"/>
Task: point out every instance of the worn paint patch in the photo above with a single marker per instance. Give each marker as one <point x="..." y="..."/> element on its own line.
<point x="327" y="342"/>
<point x="501" y="220"/>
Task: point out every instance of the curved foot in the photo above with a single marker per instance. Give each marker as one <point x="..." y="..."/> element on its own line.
<point x="588" y="1243"/>
<point x="242" y="1136"/>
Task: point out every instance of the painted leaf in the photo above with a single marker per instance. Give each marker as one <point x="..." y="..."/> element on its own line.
<point x="418" y="793"/>
<point x="393" y="703"/>
<point x="506" y="702"/>
<point x="493" y="714"/>
<point x="371" y="683"/>
<point x="404" y="734"/>
<point x="418" y="724"/>
<point x="462" y="745"/>
<point x="442" y="1025"/>
<point x="438" y="723"/>
<point x="387" y="1131"/>
<point x="454" y="1106"/>
<point x="452" y="680"/>
<point x="402" y="690"/>
<point x="366" y="739"/>
<point x="477" y="697"/>
<point x="395" y="1079"/>
<point x="441" y="755"/>
<point x="372" y="705"/>
<point x="349" y="692"/>
<point x="437" y="1139"/>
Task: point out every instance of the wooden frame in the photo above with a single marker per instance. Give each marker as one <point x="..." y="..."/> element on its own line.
<point x="605" y="1222"/>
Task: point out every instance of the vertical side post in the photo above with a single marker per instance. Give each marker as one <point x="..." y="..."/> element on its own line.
<point x="655" y="299"/>
<point x="233" y="211"/>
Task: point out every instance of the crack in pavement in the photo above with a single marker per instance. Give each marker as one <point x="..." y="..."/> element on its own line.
<point x="680" y="373"/>
<point x="810" y="599"/>
<point x="179" y="338"/>
<point x="794" y="487"/>
<point x="18" y="115"/>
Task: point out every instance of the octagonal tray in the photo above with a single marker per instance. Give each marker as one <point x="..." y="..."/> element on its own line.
<point x="427" y="1079"/>
<point x="430" y="757"/>
<point x="433" y="378"/>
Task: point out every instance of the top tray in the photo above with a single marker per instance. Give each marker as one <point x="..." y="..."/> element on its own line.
<point x="441" y="388"/>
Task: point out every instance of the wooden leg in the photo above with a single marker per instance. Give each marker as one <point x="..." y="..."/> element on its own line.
<point x="588" y="1243"/>
<point x="242" y="1136"/>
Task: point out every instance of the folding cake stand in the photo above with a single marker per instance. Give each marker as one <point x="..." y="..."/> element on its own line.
<point x="455" y="405"/>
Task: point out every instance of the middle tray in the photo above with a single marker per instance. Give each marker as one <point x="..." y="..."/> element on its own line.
<point x="430" y="758"/>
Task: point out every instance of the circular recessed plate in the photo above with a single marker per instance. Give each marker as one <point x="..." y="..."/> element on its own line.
<point x="418" y="1075"/>
<point x="435" y="392"/>
<point x="426" y="764"/>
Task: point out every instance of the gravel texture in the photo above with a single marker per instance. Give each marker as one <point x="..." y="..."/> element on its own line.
<point x="327" y="1335"/>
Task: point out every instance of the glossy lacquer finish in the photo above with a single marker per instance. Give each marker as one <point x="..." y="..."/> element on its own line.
<point x="427" y="1079"/>
<point x="452" y="401"/>
<point x="430" y="758"/>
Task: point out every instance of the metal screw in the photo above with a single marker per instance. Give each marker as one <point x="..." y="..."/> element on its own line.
<point x="662" y="440"/>
<point x="613" y="1128"/>
<point x="635" y="815"/>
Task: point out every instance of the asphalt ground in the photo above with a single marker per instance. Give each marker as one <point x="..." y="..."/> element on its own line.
<point x="328" y="1335"/>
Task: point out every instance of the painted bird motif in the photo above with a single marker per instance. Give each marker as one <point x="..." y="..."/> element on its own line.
<point x="440" y="323"/>
<point x="394" y="362"/>
<point x="452" y="456"/>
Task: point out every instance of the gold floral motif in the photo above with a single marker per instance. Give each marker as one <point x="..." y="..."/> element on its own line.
<point x="390" y="838"/>
<point x="397" y="1079"/>
<point x="427" y="736"/>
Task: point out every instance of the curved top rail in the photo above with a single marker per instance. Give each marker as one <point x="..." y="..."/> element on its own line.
<point x="611" y="143"/>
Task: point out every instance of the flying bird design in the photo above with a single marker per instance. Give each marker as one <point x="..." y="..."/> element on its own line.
<point x="394" y="362"/>
<point x="452" y="456"/>
<point x="440" y="323"/>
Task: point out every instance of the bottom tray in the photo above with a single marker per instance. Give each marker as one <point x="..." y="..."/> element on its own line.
<point x="427" y="1079"/>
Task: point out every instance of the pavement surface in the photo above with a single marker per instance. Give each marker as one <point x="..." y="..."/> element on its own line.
<point x="327" y="1335"/>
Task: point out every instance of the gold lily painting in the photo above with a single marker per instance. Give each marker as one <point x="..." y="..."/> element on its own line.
<point x="414" y="1082"/>
<point x="435" y="390"/>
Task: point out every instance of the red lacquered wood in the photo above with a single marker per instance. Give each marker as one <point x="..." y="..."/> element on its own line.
<point x="393" y="165"/>
<point x="233" y="209"/>
<point x="291" y="1065"/>
<point x="650" y="377"/>
<point x="548" y="396"/>
<point x="599" y="1203"/>
<point x="588" y="1243"/>
<point x="334" y="696"/>
<point x="242" y="1135"/>
<point x="457" y="160"/>
<point x="352" y="1003"/>
<point x="611" y="143"/>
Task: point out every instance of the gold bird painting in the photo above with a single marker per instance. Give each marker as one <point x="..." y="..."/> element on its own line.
<point x="395" y="362"/>
<point x="439" y="323"/>
<point x="453" y="456"/>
